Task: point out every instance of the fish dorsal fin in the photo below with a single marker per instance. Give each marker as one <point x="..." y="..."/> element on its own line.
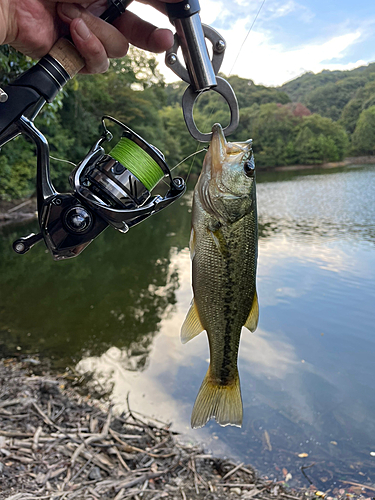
<point x="192" y="325"/>
<point x="252" y="320"/>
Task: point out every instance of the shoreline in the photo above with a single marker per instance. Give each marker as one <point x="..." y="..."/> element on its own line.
<point x="15" y="211"/>
<point x="22" y="210"/>
<point x="58" y="444"/>
<point x="355" y="160"/>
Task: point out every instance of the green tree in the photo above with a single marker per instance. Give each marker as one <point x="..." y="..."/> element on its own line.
<point x="178" y="143"/>
<point x="320" y="140"/>
<point x="330" y="99"/>
<point x="18" y="158"/>
<point x="17" y="169"/>
<point x="248" y="93"/>
<point x="363" y="141"/>
<point x="12" y="64"/>
<point x="300" y="88"/>
<point x="271" y="126"/>
<point x="363" y="99"/>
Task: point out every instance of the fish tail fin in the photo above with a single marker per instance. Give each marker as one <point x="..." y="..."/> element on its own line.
<point x="223" y="402"/>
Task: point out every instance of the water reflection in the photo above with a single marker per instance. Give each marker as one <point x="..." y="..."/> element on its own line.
<point x="332" y="204"/>
<point x="116" y="293"/>
<point x="307" y="374"/>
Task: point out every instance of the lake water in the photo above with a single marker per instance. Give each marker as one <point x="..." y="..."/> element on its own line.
<point x="307" y="373"/>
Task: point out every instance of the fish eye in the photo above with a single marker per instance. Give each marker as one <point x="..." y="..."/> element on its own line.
<point x="249" y="168"/>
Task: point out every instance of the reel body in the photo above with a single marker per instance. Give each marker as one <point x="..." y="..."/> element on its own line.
<point x="106" y="192"/>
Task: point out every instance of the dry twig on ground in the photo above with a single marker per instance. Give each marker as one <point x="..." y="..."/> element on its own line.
<point x="56" y="445"/>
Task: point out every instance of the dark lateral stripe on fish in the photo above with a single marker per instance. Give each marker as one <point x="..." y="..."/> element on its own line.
<point x="228" y="300"/>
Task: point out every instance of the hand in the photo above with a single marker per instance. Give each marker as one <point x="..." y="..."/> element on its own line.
<point x="33" y="26"/>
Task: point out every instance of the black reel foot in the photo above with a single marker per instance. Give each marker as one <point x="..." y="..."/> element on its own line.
<point x="23" y="245"/>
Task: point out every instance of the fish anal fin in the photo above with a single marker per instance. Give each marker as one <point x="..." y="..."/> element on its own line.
<point x="252" y="320"/>
<point x="222" y="402"/>
<point x="192" y="325"/>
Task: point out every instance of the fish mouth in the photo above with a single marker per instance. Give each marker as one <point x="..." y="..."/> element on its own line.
<point x="218" y="148"/>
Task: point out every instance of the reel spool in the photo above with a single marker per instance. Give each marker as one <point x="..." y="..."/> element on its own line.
<point x="128" y="174"/>
<point x="108" y="189"/>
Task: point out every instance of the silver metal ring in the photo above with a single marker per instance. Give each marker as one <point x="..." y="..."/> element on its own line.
<point x="188" y="100"/>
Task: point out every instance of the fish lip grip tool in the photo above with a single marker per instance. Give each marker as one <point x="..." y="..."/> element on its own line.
<point x="200" y="71"/>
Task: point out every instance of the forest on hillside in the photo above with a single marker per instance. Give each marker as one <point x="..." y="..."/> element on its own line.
<point x="313" y="119"/>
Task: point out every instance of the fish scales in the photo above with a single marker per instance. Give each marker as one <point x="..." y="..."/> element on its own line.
<point x="224" y="255"/>
<point x="224" y="291"/>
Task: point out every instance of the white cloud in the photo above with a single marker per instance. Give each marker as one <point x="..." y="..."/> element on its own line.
<point x="261" y="58"/>
<point x="270" y="63"/>
<point x="282" y="9"/>
<point x="265" y="355"/>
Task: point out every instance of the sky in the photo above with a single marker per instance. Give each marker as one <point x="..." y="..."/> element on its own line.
<point x="289" y="37"/>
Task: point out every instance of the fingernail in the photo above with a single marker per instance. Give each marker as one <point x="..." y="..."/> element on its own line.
<point x="70" y="10"/>
<point x="82" y="30"/>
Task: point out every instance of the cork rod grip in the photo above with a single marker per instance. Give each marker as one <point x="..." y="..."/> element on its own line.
<point x="68" y="56"/>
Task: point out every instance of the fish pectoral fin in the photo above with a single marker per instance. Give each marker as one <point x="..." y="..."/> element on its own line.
<point x="219" y="240"/>
<point x="252" y="320"/>
<point x="192" y="243"/>
<point x="192" y="325"/>
<point x="223" y="402"/>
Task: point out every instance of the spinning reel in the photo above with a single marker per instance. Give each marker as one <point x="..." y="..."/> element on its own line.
<point x="108" y="190"/>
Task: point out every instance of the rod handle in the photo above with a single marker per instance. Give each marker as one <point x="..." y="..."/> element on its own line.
<point x="68" y="56"/>
<point x="65" y="52"/>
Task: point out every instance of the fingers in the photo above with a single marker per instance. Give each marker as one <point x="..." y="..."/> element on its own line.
<point x="143" y="34"/>
<point x="90" y="48"/>
<point x="95" y="39"/>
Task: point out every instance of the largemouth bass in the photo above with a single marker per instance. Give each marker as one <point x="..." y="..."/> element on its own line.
<point x="223" y="248"/>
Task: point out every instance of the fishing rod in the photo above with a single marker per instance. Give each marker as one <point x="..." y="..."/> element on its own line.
<point x="113" y="189"/>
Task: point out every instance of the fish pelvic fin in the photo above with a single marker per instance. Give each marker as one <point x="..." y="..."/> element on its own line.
<point x="222" y="402"/>
<point x="192" y="325"/>
<point x="252" y="320"/>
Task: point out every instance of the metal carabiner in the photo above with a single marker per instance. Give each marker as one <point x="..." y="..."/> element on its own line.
<point x="200" y="72"/>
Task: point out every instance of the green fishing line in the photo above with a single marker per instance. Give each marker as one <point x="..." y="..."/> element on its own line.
<point x="138" y="162"/>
